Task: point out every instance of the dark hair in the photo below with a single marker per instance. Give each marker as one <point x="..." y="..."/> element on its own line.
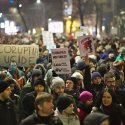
<point x="41" y="98"/>
<point x="55" y="121"/>
<point x="109" y="75"/>
<point x="100" y="95"/>
<point x="74" y="80"/>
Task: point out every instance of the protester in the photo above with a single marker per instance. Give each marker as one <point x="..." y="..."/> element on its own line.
<point x="7" y="114"/>
<point x="110" y="82"/>
<point x="108" y="104"/>
<point x="72" y="88"/>
<point x="97" y="84"/>
<point x="65" y="111"/>
<point x="97" y="119"/>
<point x="85" y="105"/>
<point x="29" y="98"/>
<point x="44" y="110"/>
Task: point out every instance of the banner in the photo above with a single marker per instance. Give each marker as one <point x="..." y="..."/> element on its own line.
<point x="61" y="61"/>
<point x="24" y="55"/>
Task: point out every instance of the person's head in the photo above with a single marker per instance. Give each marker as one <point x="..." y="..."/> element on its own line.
<point x="79" y="77"/>
<point x="80" y="65"/>
<point x="5" y="90"/>
<point x="58" y="85"/>
<point x="71" y="83"/>
<point x="13" y="65"/>
<point x="122" y="51"/>
<point x="65" y="105"/>
<point x="35" y="74"/>
<point x="97" y="119"/>
<point x="109" y="80"/>
<point x="39" y="85"/>
<point x="86" y="97"/>
<point x="96" y="78"/>
<point x="107" y="97"/>
<point x="44" y="104"/>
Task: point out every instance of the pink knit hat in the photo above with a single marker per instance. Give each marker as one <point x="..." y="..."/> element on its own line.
<point x="85" y="96"/>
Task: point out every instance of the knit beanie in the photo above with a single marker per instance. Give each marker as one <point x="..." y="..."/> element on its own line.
<point x="102" y="69"/>
<point x="95" y="74"/>
<point x="85" y="96"/>
<point x="36" y="72"/>
<point x="57" y="81"/>
<point x="3" y="85"/>
<point x="63" y="102"/>
<point x="39" y="82"/>
<point x="95" y="119"/>
<point x="80" y="65"/>
<point x="77" y="75"/>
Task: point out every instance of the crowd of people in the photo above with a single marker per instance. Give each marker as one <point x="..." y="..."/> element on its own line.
<point x="93" y="94"/>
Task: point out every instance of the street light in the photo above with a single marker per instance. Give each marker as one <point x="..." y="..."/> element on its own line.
<point x="19" y="12"/>
<point x="38" y="1"/>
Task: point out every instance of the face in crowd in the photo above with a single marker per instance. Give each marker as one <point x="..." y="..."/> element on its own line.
<point x="59" y="89"/>
<point x="110" y="82"/>
<point x="69" y="85"/>
<point x="44" y="104"/>
<point x="97" y="80"/>
<point x="6" y="93"/>
<point x="69" y="110"/>
<point x="106" y="99"/>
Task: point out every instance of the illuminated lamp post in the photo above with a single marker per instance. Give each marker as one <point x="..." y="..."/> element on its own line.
<point x="18" y="6"/>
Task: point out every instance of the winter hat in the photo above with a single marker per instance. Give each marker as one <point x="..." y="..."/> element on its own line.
<point x="85" y="96"/>
<point x="102" y="69"/>
<point x="80" y="64"/>
<point x="95" y="119"/>
<point x="95" y="74"/>
<point x="3" y="85"/>
<point x="122" y="50"/>
<point x="104" y="55"/>
<point x="36" y="72"/>
<point x="63" y="102"/>
<point x="57" y="81"/>
<point x="39" y="82"/>
<point x="77" y="75"/>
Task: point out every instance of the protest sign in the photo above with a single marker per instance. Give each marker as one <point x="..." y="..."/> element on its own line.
<point x="61" y="61"/>
<point x="82" y="32"/>
<point x="48" y="40"/>
<point x="86" y="45"/>
<point x="24" y="55"/>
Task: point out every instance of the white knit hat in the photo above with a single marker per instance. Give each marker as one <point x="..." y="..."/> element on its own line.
<point x="77" y="75"/>
<point x="57" y="81"/>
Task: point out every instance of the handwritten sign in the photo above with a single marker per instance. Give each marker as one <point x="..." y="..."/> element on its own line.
<point x="86" y="45"/>
<point x="48" y="40"/>
<point x="24" y="55"/>
<point x="61" y="61"/>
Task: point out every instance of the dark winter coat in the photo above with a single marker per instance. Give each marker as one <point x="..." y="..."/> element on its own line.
<point x="28" y="103"/>
<point x="35" y="119"/>
<point x="115" y="112"/>
<point x="83" y="111"/>
<point x="7" y="114"/>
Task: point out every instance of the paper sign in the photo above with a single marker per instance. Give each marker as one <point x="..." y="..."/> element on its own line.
<point x="61" y="61"/>
<point x="86" y="45"/>
<point x="48" y="40"/>
<point x="24" y="55"/>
